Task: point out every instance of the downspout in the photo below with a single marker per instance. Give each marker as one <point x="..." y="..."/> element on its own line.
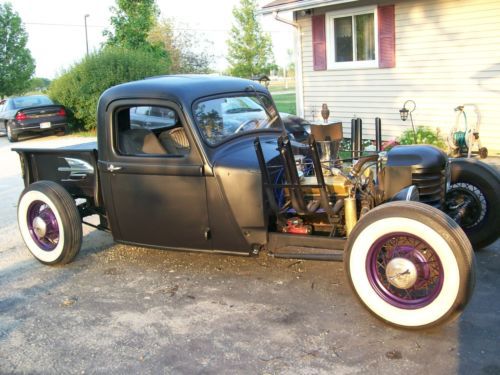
<point x="299" y="88"/>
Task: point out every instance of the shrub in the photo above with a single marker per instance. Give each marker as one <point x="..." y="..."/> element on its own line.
<point x="80" y="87"/>
<point x="425" y="135"/>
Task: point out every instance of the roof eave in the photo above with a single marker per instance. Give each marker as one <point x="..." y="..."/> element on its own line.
<point x="302" y="5"/>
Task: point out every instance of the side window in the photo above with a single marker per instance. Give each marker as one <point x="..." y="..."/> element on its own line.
<point x="149" y="130"/>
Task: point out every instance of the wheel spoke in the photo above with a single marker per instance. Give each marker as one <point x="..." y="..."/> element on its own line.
<point x="403" y="248"/>
<point x="43" y="225"/>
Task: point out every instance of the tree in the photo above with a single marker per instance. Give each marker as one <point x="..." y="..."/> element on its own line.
<point x="39" y="84"/>
<point x="16" y="63"/>
<point x="81" y="86"/>
<point x="132" y="21"/>
<point x="180" y="46"/>
<point x="250" y="49"/>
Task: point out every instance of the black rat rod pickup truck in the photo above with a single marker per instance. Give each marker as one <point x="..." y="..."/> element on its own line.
<point x="203" y="163"/>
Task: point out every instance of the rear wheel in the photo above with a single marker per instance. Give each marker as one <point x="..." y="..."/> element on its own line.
<point x="473" y="202"/>
<point x="410" y="265"/>
<point x="10" y="135"/>
<point x="50" y="223"/>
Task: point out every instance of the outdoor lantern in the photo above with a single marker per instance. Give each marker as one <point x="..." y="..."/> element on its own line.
<point x="403" y="112"/>
<point x="408" y="107"/>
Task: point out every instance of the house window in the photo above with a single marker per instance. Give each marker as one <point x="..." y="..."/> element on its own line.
<point x="352" y="38"/>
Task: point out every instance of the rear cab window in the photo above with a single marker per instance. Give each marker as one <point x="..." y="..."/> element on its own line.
<point x="149" y="131"/>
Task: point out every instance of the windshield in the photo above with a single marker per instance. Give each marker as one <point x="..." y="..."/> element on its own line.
<point x="223" y="117"/>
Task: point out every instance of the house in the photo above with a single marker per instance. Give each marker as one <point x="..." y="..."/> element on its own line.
<point x="365" y="58"/>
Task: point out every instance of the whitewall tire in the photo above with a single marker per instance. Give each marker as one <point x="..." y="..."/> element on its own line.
<point x="49" y="223"/>
<point x="410" y="264"/>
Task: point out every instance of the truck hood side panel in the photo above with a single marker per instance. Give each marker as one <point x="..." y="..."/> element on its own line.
<point x="239" y="178"/>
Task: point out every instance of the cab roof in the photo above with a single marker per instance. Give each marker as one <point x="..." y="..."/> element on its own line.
<point x="182" y="89"/>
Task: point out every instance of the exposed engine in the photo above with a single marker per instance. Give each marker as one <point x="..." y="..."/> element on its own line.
<point x="314" y="195"/>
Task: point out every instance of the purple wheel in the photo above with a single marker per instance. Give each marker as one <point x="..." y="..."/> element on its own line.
<point x="404" y="270"/>
<point x="43" y="226"/>
<point x="410" y="264"/>
<point x="49" y="222"/>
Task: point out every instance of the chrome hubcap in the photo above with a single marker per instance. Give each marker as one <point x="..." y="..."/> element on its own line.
<point x="39" y="227"/>
<point x="401" y="273"/>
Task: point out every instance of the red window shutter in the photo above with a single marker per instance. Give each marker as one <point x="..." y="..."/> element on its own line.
<point x="319" y="42"/>
<point x="386" y="37"/>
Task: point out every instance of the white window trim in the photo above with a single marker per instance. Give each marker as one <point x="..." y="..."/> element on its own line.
<point x="330" y="38"/>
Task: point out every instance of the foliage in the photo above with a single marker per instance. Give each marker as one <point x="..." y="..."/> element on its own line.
<point x="250" y="49"/>
<point x="16" y="63"/>
<point x="424" y="135"/>
<point x="132" y="20"/>
<point x="39" y="84"/>
<point x="80" y="87"/>
<point x="180" y="46"/>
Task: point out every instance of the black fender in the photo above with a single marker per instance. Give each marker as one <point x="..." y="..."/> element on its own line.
<point x="409" y="193"/>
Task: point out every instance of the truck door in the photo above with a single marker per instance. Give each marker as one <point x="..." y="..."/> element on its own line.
<point x="153" y="179"/>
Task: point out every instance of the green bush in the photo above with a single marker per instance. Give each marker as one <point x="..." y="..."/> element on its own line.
<point x="79" y="88"/>
<point x="425" y="135"/>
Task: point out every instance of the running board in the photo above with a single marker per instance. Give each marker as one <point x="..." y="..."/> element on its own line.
<point x="295" y="246"/>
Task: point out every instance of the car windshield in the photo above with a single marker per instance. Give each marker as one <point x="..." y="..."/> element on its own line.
<point x="224" y="117"/>
<point x="31" y="101"/>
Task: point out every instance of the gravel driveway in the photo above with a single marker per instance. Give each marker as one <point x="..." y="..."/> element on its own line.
<point x="121" y="309"/>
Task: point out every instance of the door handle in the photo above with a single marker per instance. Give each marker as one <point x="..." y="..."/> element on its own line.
<point x="112" y="168"/>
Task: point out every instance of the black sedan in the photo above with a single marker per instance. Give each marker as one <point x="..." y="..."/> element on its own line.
<point x="36" y="113"/>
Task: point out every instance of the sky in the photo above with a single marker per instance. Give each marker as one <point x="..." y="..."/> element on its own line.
<point x="57" y="33"/>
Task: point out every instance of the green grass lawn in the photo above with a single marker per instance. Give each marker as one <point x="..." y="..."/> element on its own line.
<point x="285" y="103"/>
<point x="280" y="86"/>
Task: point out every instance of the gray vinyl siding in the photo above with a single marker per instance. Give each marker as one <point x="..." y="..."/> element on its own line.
<point x="447" y="54"/>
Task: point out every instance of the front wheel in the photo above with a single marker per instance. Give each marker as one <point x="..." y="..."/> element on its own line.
<point x="410" y="265"/>
<point x="49" y="222"/>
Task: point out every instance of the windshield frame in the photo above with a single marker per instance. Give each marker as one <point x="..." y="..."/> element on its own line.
<point x="275" y="129"/>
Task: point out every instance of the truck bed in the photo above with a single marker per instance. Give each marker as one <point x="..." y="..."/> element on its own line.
<point x="74" y="167"/>
<point x="87" y="146"/>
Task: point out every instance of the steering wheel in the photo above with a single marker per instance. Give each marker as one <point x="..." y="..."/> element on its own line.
<point x="247" y="122"/>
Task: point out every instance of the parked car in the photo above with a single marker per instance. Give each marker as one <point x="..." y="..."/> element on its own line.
<point x="240" y="185"/>
<point x="35" y="113"/>
<point x="152" y="118"/>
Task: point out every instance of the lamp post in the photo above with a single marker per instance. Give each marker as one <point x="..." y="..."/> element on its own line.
<point x="405" y="111"/>
<point x="86" y="35"/>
